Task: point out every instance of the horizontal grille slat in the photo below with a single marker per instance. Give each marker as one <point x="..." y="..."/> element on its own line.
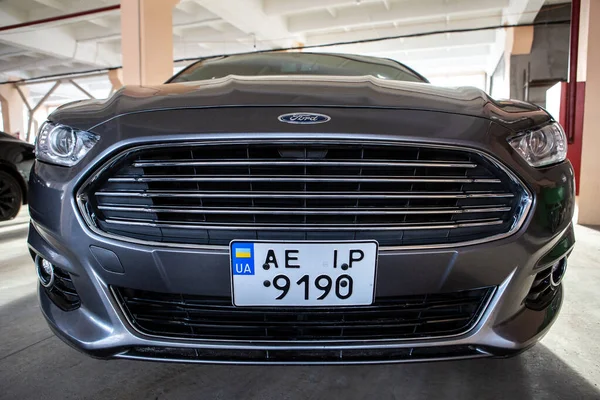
<point x="299" y="211"/>
<point x="302" y="195"/>
<point x="309" y="227"/>
<point x="210" y="193"/>
<point x="401" y="317"/>
<point x="353" y="179"/>
<point x="378" y="163"/>
<point x="365" y="324"/>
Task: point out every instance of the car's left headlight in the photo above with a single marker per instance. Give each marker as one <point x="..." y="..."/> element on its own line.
<point x="63" y="145"/>
<point x="543" y="146"/>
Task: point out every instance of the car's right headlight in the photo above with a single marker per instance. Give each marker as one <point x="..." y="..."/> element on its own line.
<point x="543" y="146"/>
<point x="62" y="145"/>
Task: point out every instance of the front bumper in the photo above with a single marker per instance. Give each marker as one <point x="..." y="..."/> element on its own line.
<point x="116" y="339"/>
<point x="98" y="327"/>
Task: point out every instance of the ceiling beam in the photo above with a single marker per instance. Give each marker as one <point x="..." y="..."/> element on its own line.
<point x="30" y="64"/>
<point x="107" y="37"/>
<point x="439" y="41"/>
<point x="448" y="61"/>
<point x="522" y="11"/>
<point x="92" y="33"/>
<point x="371" y="13"/>
<point x="248" y="17"/>
<point x="209" y="35"/>
<point x="450" y="66"/>
<point x="278" y="7"/>
<point x="430" y="55"/>
<point x="52" y="4"/>
<point x="53" y="41"/>
<point x="180" y="31"/>
<point x="16" y="53"/>
<point x="101" y="22"/>
<point x="187" y="6"/>
<point x="180" y="27"/>
<point x="199" y="50"/>
<point x="436" y="25"/>
<point x="69" y="7"/>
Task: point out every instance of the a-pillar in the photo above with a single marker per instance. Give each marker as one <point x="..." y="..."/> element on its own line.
<point x="12" y="110"/>
<point x="147" y="41"/>
<point x="589" y="189"/>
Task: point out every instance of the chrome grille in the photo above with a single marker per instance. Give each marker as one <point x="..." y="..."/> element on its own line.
<point x="211" y="193"/>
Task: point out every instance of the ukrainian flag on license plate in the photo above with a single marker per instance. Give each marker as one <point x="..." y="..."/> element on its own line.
<point x="243" y="252"/>
<point x="242" y="258"/>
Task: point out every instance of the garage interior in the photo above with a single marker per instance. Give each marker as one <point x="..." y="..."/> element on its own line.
<point x="544" y="51"/>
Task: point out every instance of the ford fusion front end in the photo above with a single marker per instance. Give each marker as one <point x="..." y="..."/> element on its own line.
<point x="279" y="220"/>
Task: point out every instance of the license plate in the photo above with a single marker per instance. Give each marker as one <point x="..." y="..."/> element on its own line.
<point x="303" y="273"/>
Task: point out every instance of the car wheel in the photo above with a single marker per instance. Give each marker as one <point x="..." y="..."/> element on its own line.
<point x="11" y="197"/>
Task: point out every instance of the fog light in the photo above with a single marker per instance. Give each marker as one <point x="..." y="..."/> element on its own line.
<point x="45" y="271"/>
<point x="558" y="271"/>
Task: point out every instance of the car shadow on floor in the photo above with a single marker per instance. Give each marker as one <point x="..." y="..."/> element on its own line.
<point x="26" y="370"/>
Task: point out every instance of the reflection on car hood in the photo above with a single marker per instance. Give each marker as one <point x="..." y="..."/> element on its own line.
<point x="296" y="92"/>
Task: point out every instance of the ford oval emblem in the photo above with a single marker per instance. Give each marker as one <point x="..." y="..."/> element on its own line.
<point x="304" y="118"/>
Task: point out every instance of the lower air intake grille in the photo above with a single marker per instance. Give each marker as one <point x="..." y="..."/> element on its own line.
<point x="215" y="192"/>
<point x="63" y="292"/>
<point x="545" y="286"/>
<point x="201" y="317"/>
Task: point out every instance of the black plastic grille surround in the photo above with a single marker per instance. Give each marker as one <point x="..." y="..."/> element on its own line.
<point x="544" y="289"/>
<point x="214" y="192"/>
<point x="63" y="292"/>
<point x="402" y="317"/>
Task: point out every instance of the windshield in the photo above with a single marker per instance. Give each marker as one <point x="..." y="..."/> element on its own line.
<point x="280" y="63"/>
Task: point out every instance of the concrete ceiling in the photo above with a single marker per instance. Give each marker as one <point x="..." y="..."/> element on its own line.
<point x="208" y="27"/>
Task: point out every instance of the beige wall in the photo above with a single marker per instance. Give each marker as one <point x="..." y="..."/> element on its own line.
<point x="589" y="194"/>
<point x="12" y="111"/>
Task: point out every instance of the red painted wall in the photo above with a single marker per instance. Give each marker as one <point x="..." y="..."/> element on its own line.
<point x="574" y="149"/>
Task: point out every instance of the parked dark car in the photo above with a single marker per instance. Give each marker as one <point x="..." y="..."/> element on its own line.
<point x="292" y="208"/>
<point x="16" y="159"/>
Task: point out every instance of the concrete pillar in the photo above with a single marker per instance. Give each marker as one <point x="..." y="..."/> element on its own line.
<point x="584" y="27"/>
<point x="147" y="41"/>
<point x="520" y="40"/>
<point x="517" y="41"/>
<point x="115" y="76"/>
<point x="13" y="110"/>
<point x="589" y="189"/>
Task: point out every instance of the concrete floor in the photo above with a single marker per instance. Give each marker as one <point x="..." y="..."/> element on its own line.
<point x="36" y="365"/>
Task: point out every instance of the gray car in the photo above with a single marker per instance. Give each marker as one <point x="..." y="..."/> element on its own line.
<point x="287" y="208"/>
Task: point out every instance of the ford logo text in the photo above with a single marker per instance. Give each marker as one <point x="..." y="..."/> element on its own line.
<point x="304" y="118"/>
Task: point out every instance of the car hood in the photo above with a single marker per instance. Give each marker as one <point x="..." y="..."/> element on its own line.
<point x="296" y="92"/>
